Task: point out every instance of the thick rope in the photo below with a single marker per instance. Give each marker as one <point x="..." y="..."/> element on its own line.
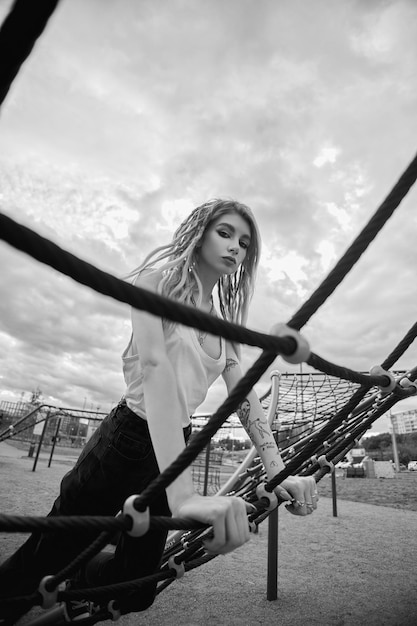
<point x="26" y="21"/>
<point x="86" y="555"/>
<point x="309" y="449"/>
<point x="342" y="372"/>
<point x="339" y="451"/>
<point x="356" y="249"/>
<point x="199" y="441"/>
<point x="388" y="363"/>
<point x="45" y="251"/>
<point x="89" y="523"/>
<point x="400" y="349"/>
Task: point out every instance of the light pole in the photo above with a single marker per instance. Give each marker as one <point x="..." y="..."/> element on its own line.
<point x="394" y="445"/>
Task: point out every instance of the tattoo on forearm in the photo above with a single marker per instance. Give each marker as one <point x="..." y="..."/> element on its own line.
<point x="243" y="412"/>
<point x="261" y="429"/>
<point x="230" y="363"/>
<point x="269" y="445"/>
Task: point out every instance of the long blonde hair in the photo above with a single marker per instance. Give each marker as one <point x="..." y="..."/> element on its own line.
<point x="177" y="260"/>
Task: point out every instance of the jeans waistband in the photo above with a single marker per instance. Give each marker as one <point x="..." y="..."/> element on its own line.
<point x="187" y="430"/>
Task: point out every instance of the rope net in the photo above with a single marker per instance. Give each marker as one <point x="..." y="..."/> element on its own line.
<point x="319" y="419"/>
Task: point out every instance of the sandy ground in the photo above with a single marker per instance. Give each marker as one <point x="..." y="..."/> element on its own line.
<point x="355" y="569"/>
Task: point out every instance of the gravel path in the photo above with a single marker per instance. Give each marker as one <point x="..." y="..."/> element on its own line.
<point x="353" y="570"/>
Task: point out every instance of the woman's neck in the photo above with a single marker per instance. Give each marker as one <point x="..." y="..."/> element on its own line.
<point x="208" y="281"/>
<point x="206" y="301"/>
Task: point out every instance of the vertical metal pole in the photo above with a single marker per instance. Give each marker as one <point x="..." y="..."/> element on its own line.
<point x="272" y="579"/>
<point x="394" y="446"/>
<point x="40" y="442"/>
<point x="206" y="472"/>
<point x="58" y="426"/>
<point x="334" y="494"/>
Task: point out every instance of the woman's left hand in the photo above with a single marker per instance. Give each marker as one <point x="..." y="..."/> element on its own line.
<point x="301" y="491"/>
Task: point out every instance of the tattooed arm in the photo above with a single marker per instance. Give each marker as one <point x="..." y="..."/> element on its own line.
<point x="253" y="419"/>
<point x="301" y="490"/>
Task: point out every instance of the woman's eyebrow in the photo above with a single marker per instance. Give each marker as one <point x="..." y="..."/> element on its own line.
<point x="232" y="228"/>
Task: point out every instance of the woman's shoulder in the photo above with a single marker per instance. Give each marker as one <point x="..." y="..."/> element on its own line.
<point x="149" y="278"/>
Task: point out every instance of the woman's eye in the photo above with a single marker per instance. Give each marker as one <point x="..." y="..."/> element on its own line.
<point x="244" y="245"/>
<point x="223" y="233"/>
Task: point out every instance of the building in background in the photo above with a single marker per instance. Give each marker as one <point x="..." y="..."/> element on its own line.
<point x="404" y="422"/>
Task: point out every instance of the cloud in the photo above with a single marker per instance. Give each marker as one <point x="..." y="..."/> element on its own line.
<point x="126" y="115"/>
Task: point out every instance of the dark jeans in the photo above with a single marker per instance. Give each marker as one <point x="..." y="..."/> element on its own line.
<point x="117" y="461"/>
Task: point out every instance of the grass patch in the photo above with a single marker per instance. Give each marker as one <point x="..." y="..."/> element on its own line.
<point x="399" y="492"/>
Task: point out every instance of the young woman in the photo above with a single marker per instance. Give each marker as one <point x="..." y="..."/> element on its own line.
<point x="168" y="369"/>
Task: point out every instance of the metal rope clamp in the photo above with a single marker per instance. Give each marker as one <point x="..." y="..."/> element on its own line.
<point x="179" y="568"/>
<point x="140" y="519"/>
<point x="253" y="528"/>
<point x="270" y="497"/>
<point x="377" y="370"/>
<point x="115" y="612"/>
<point x="409" y="385"/>
<point x="49" y="598"/>
<point x="323" y="462"/>
<point x="302" y="350"/>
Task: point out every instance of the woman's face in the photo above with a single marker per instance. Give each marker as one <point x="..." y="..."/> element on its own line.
<point x="224" y="245"/>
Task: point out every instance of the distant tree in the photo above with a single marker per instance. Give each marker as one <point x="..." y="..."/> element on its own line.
<point x="380" y="447"/>
<point x="407" y="448"/>
<point x="371" y="443"/>
<point x="406" y="454"/>
<point x="377" y="442"/>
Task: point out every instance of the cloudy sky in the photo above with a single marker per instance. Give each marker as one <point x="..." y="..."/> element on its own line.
<point x="129" y="113"/>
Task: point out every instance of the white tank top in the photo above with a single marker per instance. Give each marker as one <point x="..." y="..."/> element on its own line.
<point x="194" y="369"/>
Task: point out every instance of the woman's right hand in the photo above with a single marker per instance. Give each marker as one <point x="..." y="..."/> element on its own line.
<point x="301" y="491"/>
<point x="227" y="515"/>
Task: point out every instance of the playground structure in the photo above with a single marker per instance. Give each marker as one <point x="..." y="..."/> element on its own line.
<point x="184" y="549"/>
<point x="309" y="446"/>
<point x="50" y="426"/>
